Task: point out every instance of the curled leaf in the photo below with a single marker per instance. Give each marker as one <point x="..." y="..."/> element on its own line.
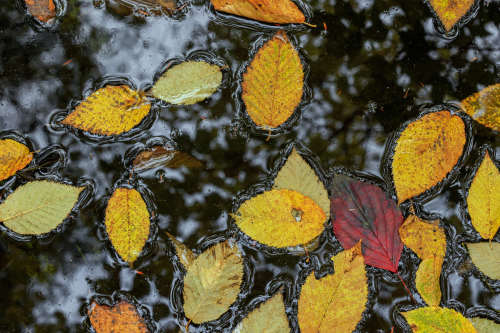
<point x="13" y="157"/>
<point x="272" y="11"/>
<point x="122" y="317"/>
<point x="486" y="257"/>
<point x="159" y="156"/>
<point x="484" y="106"/>
<point x="434" y="319"/>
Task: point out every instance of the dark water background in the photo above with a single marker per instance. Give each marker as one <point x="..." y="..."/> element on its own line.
<point x="373" y="51"/>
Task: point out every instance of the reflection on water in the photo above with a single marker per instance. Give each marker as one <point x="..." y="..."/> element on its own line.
<point x="378" y="65"/>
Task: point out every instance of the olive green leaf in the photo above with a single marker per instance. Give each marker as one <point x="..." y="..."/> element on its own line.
<point x="484" y="325"/>
<point x="486" y="257"/>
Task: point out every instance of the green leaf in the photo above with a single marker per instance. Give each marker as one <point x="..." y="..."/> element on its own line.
<point x="38" y="207"/>
<point x="486" y="257"/>
<point x="484" y="325"/>
<point x="188" y="83"/>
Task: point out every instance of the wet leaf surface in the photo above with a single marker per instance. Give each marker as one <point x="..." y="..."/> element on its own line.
<point x="186" y="256"/>
<point x="273" y="11"/>
<point x="484" y="106"/>
<point x="485" y="325"/>
<point x="14" y="156"/>
<point x="434" y="319"/>
<point x="450" y="11"/>
<point x="159" y="156"/>
<point x="427" y="280"/>
<point x="42" y="10"/>
<point x="121" y="317"/>
<point x="486" y="257"/>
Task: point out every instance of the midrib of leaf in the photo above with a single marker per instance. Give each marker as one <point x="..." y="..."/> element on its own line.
<point x="27" y="212"/>
<point x="196" y="78"/>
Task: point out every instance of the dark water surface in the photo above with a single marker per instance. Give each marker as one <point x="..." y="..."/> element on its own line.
<point x="372" y="51"/>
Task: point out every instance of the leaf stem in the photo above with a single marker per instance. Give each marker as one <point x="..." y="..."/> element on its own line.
<point x="187" y="326"/>
<point x="406" y="288"/>
<point x="309" y="24"/>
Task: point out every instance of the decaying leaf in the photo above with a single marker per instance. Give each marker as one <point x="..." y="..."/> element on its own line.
<point x="483" y="200"/>
<point x="186" y="256"/>
<point x="297" y="175"/>
<point x="336" y="302"/>
<point x="273" y="83"/>
<point x="450" y="11"/>
<point x="110" y="110"/>
<point x="486" y="257"/>
<point x="122" y="317"/>
<point x="188" y="83"/>
<point x="159" y="156"/>
<point x="427" y="280"/>
<point x="362" y="211"/>
<point x="273" y="11"/>
<point x="425" y="238"/>
<point x="127" y="223"/>
<point x="13" y="157"/>
<point x="434" y="319"/>
<point x="213" y="282"/>
<point x="42" y="10"/>
<point x="484" y="106"/>
<point x="426" y="152"/>
<point x="38" y="207"/>
<point x="269" y="317"/>
<point x="280" y="218"/>
<point x="147" y="7"/>
<point x="485" y="325"/>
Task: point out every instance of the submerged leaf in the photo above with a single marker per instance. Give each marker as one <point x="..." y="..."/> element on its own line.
<point x="213" y="282"/>
<point x="154" y="7"/>
<point x="127" y="223"/>
<point x="42" y="10"/>
<point x="122" y="317"/>
<point x="273" y="83"/>
<point x="486" y="257"/>
<point x="13" y="157"/>
<point x="426" y="152"/>
<point x="427" y="280"/>
<point x="159" y="156"/>
<point x="450" y="11"/>
<point x="434" y="319"/>
<point x="109" y="111"/>
<point x="336" y="302"/>
<point x="425" y="238"/>
<point x="38" y="207"/>
<point x="186" y="256"/>
<point x="484" y="106"/>
<point x="272" y="11"/>
<point x="188" y="83"/>
<point x="280" y="218"/>
<point x="485" y="325"/>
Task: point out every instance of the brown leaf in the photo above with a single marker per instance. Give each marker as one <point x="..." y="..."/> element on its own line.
<point x="42" y="10"/>
<point x="159" y="156"/>
<point x="122" y="317"/>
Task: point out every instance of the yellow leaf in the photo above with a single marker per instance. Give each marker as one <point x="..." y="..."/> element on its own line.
<point x="272" y="85"/>
<point x="486" y="257"/>
<point x="13" y="157"/>
<point x="127" y="223"/>
<point x="450" y="11"/>
<point x="427" y="279"/>
<point x="159" y="156"/>
<point x="186" y="256"/>
<point x="213" y="282"/>
<point x="426" y="152"/>
<point x="484" y="106"/>
<point x="273" y="11"/>
<point x="280" y="218"/>
<point x="483" y="200"/>
<point x="425" y="238"/>
<point x="109" y="111"/>
<point x="336" y="302"/>
<point x="434" y="319"/>
<point x="122" y="317"/>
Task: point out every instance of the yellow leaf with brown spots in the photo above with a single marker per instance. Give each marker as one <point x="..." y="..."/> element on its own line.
<point x="42" y="10"/>
<point x="14" y="156"/>
<point x="425" y="238"/>
<point x="484" y="106"/>
<point x="450" y="11"/>
<point x="110" y="110"/>
<point x="122" y="317"/>
<point x="270" y="11"/>
<point x="127" y="223"/>
<point x="336" y="302"/>
<point x="434" y="319"/>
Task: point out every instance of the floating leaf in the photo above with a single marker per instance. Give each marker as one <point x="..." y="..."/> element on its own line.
<point x="38" y="207"/>
<point x="109" y="111"/>
<point x="280" y="218"/>
<point x="486" y="257"/>
<point x="272" y="85"/>
<point x="42" y="10"/>
<point x="362" y="211"/>
<point x="483" y="200"/>
<point x="273" y="11"/>
<point x="425" y="238"/>
<point x="297" y="175"/>
<point x="154" y="7"/>
<point x="336" y="302"/>
<point x="186" y="256"/>
<point x="159" y="156"/>
<point x="434" y="319"/>
<point x="127" y="223"/>
<point x="269" y="317"/>
<point x="484" y="325"/>
<point x="188" y="83"/>
<point x="213" y="282"/>
<point x="450" y="11"/>
<point x="122" y="317"/>
<point x="13" y="157"/>
<point x="484" y="106"/>
<point x="426" y="152"/>
<point x="427" y="280"/>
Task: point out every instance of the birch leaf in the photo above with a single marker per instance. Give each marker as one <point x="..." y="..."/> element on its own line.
<point x="213" y="282"/>
<point x="273" y="11"/>
<point x="273" y="83"/>
<point x="38" y="207"/>
<point x="297" y="175"/>
<point x="425" y="238"/>
<point x="14" y="156"/>
<point x="127" y="223"/>
<point x="159" y="156"/>
<point x="450" y="11"/>
<point x="188" y="83"/>
<point x="186" y="256"/>
<point x="427" y="280"/>
<point x="486" y="257"/>
<point x="485" y="325"/>
<point x="122" y="317"/>
<point x="434" y="319"/>
<point x="42" y="10"/>
<point x="484" y="106"/>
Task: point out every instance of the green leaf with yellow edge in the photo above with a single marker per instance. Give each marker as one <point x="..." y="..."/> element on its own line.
<point x="336" y="302"/>
<point x="38" y="207"/>
<point x="188" y="83"/>
<point x="280" y="218"/>
<point x="213" y="282"/>
<point x="425" y="238"/>
<point x="186" y="256"/>
<point x="483" y="200"/>
<point x="486" y="257"/>
<point x="485" y="325"/>
<point x="297" y="175"/>
<point x="159" y="156"/>
<point x="13" y="157"/>
<point x="435" y="319"/>
<point x="273" y="83"/>
<point x="427" y="280"/>
<point x="269" y="317"/>
<point x="127" y="223"/>
<point x="450" y="11"/>
<point x="484" y="106"/>
<point x="110" y="110"/>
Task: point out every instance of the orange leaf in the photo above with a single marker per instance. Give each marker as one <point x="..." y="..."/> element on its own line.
<point x="450" y="11"/>
<point x="122" y="317"/>
<point x="42" y="10"/>
<point x="484" y="106"/>
<point x="13" y="157"/>
<point x="271" y="11"/>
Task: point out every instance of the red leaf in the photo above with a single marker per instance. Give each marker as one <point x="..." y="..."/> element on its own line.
<point x="363" y="211"/>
